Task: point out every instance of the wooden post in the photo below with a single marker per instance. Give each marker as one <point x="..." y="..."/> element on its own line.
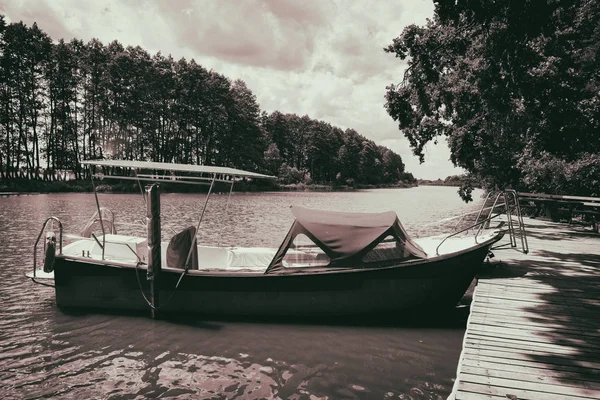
<point x="154" y="254"/>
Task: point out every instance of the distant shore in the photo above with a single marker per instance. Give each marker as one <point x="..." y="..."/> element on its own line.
<point x="24" y="186"/>
<point x="452" y="184"/>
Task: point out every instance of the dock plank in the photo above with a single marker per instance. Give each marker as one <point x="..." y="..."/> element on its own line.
<point x="523" y="283"/>
<point x="533" y="373"/>
<point x="478" y="314"/>
<point x="476" y="396"/>
<point x="564" y="348"/>
<point x="555" y="313"/>
<point x="550" y="359"/>
<point x="564" y="369"/>
<point x="546" y="348"/>
<point x="519" y="393"/>
<point x="534" y="327"/>
<point x="493" y="379"/>
<point x="522" y="305"/>
<point x="533" y="288"/>
<point x="533" y="334"/>
<point x="567" y="342"/>
<point x="541" y="297"/>
<point x="527" y="350"/>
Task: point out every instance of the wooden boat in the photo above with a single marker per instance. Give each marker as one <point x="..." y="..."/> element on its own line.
<point x="329" y="263"/>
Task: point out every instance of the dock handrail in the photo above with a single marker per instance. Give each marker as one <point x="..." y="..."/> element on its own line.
<point x="511" y="208"/>
<point x="514" y="227"/>
<point x="60" y="241"/>
<point x="521" y="224"/>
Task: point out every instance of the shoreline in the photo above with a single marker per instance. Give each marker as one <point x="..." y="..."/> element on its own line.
<point x="23" y="186"/>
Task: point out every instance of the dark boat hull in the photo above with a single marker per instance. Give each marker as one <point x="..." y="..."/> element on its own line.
<point x="431" y="283"/>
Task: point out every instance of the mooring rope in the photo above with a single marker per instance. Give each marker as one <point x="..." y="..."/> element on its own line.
<point x="137" y="275"/>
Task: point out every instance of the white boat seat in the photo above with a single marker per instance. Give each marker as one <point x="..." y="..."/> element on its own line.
<point x="234" y="258"/>
<point x="119" y="248"/>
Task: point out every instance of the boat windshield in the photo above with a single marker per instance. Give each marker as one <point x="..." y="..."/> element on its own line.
<point x="303" y="252"/>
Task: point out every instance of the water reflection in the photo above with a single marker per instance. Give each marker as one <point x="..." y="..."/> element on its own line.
<point x="46" y="352"/>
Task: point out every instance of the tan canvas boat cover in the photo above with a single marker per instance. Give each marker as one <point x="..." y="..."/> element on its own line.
<point x="344" y="236"/>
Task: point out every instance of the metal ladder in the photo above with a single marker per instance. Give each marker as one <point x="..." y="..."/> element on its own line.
<point x="509" y="199"/>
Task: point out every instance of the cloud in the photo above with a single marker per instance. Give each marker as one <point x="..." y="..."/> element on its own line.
<point x="48" y="20"/>
<point x="269" y="34"/>
<point x="130" y="22"/>
<point x="313" y="12"/>
<point x="323" y="58"/>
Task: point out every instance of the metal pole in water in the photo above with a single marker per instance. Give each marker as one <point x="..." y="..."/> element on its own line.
<point x="153" y="226"/>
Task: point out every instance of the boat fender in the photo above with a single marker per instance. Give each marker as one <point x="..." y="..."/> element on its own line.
<point x="50" y="252"/>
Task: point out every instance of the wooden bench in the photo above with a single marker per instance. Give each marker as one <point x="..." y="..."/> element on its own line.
<point x="559" y="207"/>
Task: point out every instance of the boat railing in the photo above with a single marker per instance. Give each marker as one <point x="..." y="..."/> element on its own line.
<point x="104" y="218"/>
<point x="481" y="210"/>
<point x="101" y="244"/>
<point x="481" y="223"/>
<point x="60" y="240"/>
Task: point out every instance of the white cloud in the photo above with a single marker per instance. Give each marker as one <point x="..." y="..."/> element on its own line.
<point x="323" y="58"/>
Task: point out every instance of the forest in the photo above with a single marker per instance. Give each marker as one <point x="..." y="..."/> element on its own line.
<point x="514" y="87"/>
<point x="63" y="102"/>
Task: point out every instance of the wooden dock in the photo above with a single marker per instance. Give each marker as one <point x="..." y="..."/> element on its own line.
<point x="534" y="327"/>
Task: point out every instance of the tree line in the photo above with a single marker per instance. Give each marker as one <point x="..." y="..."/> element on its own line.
<point x="451" y="180"/>
<point x="64" y="102"/>
<point x="514" y="86"/>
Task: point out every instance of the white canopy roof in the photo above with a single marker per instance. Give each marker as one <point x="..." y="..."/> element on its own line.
<point x="207" y="169"/>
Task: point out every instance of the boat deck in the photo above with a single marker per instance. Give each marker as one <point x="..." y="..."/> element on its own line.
<point x="534" y="327"/>
<point x="130" y="249"/>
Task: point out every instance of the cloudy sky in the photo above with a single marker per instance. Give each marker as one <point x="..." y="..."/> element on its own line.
<point x="323" y="58"/>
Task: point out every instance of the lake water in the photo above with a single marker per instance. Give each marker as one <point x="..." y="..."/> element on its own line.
<point x="47" y="353"/>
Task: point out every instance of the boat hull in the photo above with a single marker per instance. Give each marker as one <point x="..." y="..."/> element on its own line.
<point x="423" y="284"/>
